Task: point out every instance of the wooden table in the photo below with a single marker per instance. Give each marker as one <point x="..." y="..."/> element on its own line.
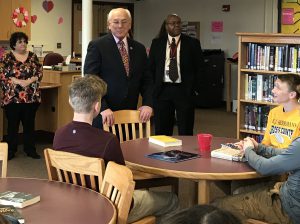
<point x="203" y="169"/>
<point x="61" y="203"/>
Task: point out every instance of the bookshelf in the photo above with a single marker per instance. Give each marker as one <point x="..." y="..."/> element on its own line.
<point x="262" y="57"/>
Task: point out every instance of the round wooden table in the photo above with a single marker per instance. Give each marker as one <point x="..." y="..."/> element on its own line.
<point x="61" y="203"/>
<point x="203" y="169"/>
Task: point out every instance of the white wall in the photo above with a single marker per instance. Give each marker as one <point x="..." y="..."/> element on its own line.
<point x="244" y="16"/>
<point x="46" y="29"/>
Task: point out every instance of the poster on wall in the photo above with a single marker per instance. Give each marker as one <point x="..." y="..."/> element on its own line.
<point x="191" y="29"/>
<point x="289" y="17"/>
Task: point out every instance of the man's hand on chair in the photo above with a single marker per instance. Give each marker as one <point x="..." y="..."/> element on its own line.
<point x="145" y="114"/>
<point x="108" y="117"/>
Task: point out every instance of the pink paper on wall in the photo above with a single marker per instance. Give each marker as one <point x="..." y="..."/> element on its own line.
<point x="217" y="26"/>
<point x="287" y="17"/>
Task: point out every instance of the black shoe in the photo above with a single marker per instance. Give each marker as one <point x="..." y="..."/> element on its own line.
<point x="34" y="155"/>
<point x="10" y="156"/>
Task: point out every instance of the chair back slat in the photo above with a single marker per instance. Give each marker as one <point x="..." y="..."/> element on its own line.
<point x="118" y="186"/>
<point x="133" y="131"/>
<point x="3" y="158"/>
<point x="93" y="183"/>
<point x="82" y="180"/>
<point x="120" y="132"/>
<point x="126" y="132"/>
<point x="76" y="169"/>
<point x="66" y="176"/>
<point x="59" y="176"/>
<point x="74" y="178"/>
<point x="128" y="125"/>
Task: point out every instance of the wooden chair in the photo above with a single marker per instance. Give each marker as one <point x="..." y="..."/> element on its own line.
<point x="128" y="126"/>
<point x="3" y="158"/>
<point x="76" y="169"/>
<point x="118" y="186"/>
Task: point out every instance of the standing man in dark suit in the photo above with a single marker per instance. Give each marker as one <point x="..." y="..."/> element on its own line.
<point x="122" y="63"/>
<point x="176" y="63"/>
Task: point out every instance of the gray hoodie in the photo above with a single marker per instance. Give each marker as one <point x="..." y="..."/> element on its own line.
<point x="271" y="161"/>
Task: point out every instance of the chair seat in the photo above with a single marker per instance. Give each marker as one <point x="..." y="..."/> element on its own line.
<point x="146" y="220"/>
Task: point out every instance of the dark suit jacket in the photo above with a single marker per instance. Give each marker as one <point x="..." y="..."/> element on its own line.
<point x="191" y="63"/>
<point x="103" y="59"/>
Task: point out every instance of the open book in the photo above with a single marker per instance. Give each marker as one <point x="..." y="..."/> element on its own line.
<point x="173" y="156"/>
<point x="229" y="152"/>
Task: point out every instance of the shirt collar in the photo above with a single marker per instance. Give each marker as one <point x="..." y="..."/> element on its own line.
<point x="117" y="40"/>
<point x="176" y="38"/>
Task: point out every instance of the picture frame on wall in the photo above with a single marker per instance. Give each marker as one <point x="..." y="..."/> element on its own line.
<point x="38" y="50"/>
<point x="289" y="16"/>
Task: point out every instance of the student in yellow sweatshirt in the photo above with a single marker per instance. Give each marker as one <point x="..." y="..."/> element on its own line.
<point x="284" y="120"/>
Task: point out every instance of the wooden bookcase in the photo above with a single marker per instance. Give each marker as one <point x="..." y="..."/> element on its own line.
<point x="263" y="39"/>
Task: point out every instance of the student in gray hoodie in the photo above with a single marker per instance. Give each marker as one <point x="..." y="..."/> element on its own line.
<point x="275" y="202"/>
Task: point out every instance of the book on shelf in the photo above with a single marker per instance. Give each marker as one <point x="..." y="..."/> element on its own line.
<point x="173" y="156"/>
<point x="259" y="87"/>
<point x="256" y="117"/>
<point x="18" y="199"/>
<point x="283" y="58"/>
<point x="165" y="141"/>
<point x="229" y="152"/>
<point x="11" y="214"/>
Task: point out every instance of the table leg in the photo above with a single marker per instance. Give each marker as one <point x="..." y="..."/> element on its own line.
<point x="203" y="192"/>
<point x="228" y="85"/>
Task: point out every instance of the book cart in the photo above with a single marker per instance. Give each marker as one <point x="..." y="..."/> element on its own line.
<point x="262" y="57"/>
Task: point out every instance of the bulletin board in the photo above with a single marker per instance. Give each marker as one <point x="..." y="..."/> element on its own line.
<point x="191" y="29"/>
<point x="289" y="16"/>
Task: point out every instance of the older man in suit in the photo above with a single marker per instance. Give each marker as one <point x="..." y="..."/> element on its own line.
<point x="176" y="63"/>
<point x="122" y="63"/>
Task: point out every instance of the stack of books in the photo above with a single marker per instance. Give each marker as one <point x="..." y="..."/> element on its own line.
<point x="229" y="152"/>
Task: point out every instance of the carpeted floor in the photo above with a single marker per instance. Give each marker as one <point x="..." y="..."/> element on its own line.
<point x="215" y="121"/>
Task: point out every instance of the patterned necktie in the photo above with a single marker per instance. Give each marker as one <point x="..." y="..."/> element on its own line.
<point x="173" y="70"/>
<point x="124" y="56"/>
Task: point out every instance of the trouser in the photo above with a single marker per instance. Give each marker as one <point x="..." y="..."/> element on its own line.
<point x="262" y="204"/>
<point x="25" y="113"/>
<point x="173" y="99"/>
<point x="146" y="203"/>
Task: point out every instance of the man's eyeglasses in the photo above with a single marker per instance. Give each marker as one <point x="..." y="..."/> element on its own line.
<point x="119" y="22"/>
<point x="178" y="23"/>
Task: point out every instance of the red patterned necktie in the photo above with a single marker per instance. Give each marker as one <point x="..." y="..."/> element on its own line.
<point x="173" y="70"/>
<point x="124" y="56"/>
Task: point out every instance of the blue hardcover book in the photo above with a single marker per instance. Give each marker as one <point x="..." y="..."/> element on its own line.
<point x="173" y="156"/>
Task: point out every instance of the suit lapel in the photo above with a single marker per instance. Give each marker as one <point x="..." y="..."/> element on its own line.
<point x="162" y="49"/>
<point x="131" y="53"/>
<point x="182" y="53"/>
